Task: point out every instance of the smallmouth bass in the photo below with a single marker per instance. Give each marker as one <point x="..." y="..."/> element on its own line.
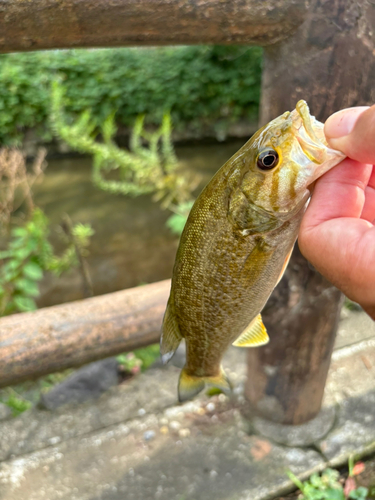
<point x="236" y="245"/>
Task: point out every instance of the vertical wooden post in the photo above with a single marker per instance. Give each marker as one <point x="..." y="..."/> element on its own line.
<point x="329" y="62"/>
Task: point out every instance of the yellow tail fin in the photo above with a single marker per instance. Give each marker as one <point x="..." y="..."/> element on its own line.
<point x="190" y="385"/>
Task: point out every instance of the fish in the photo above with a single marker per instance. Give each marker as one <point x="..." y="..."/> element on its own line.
<point x="237" y="243"/>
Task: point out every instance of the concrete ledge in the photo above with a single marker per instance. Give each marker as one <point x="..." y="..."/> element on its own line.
<point x="130" y="445"/>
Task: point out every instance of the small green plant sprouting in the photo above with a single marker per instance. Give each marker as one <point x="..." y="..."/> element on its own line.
<point x="148" y="355"/>
<point x="326" y="487"/>
<point x="352" y="306"/>
<point x="16" y="402"/>
<point x="139" y="360"/>
<point x="129" y="363"/>
<point x="28" y="256"/>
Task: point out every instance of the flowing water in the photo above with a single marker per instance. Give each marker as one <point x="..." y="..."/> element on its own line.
<point x="132" y="244"/>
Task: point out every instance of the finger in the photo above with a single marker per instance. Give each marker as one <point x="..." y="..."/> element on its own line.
<point x="368" y="211"/>
<point x="352" y="131"/>
<point x="371" y="181"/>
<point x="338" y="193"/>
<point x="342" y="250"/>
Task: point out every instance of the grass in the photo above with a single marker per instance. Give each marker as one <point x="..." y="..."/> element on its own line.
<point x="22" y="397"/>
<point x="16" y="402"/>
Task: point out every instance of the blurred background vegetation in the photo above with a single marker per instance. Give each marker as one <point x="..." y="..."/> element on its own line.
<point x="83" y="98"/>
<point x="199" y="85"/>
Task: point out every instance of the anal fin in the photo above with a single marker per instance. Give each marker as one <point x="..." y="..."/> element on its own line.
<point x="254" y="335"/>
<point x="171" y="336"/>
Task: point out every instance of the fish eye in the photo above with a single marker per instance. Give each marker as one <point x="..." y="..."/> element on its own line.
<point x="267" y="159"/>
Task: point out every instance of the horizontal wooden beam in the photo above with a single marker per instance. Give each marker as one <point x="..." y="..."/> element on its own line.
<point x="70" y="335"/>
<point x="48" y="24"/>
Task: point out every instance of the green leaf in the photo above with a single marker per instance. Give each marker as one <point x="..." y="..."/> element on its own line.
<point x="334" y="494"/>
<point x="21" y="253"/>
<point x="295" y="480"/>
<point x="24" y="304"/>
<point x="19" y="232"/>
<point x="176" y="223"/>
<point x="359" y="494"/>
<point x="27" y="286"/>
<point x="33" y="271"/>
<point x="17" y="404"/>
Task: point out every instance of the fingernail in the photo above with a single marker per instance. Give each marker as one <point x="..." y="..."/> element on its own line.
<point x="342" y="123"/>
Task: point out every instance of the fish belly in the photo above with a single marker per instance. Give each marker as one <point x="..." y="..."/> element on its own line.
<point x="219" y="291"/>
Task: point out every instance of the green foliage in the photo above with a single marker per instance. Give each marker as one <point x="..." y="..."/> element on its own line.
<point x="28" y="256"/>
<point x="16" y="402"/>
<point x="148" y="355"/>
<point x="129" y="363"/>
<point x="326" y="487"/>
<point x="199" y="85"/>
<point x="352" y="306"/>
<point x="82" y="234"/>
<point x="141" y="170"/>
<point x="21" y="397"/>
<point x="177" y="221"/>
<point x="140" y="359"/>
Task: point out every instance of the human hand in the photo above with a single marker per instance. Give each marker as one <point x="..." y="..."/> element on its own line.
<point x="337" y="233"/>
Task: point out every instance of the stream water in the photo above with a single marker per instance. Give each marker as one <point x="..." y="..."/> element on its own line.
<point x="132" y="244"/>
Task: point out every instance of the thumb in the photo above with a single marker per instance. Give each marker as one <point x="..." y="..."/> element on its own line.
<point x="352" y="131"/>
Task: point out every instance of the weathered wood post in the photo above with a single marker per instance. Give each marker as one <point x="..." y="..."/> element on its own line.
<point x="329" y="62"/>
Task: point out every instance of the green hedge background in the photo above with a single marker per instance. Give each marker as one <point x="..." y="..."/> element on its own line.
<point x="200" y="85"/>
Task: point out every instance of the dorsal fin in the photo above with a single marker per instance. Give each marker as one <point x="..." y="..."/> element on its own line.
<point x="171" y="335"/>
<point x="254" y="335"/>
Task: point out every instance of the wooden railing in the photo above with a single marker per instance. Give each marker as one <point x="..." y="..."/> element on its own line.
<point x="69" y="335"/>
<point x="50" y="24"/>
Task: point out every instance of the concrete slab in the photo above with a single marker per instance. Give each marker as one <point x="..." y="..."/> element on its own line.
<point x="37" y="429"/>
<point x="134" y="443"/>
<point x="351" y="386"/>
<point x="354" y="327"/>
<point x="197" y="452"/>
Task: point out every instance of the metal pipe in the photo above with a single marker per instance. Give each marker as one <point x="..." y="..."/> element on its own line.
<point x="70" y="335"/>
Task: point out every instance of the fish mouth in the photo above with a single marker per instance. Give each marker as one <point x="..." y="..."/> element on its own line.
<point x="309" y="133"/>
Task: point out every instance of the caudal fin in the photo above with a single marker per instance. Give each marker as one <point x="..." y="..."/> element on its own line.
<point x="190" y="385"/>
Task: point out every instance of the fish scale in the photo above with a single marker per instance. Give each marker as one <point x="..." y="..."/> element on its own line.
<point x="236" y="245"/>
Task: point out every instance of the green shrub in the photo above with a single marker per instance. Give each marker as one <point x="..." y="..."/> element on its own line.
<point x="28" y="256"/>
<point x="200" y="85"/>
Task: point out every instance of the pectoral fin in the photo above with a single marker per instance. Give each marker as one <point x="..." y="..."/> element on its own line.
<point x="171" y="336"/>
<point x="285" y="265"/>
<point x="254" y="335"/>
